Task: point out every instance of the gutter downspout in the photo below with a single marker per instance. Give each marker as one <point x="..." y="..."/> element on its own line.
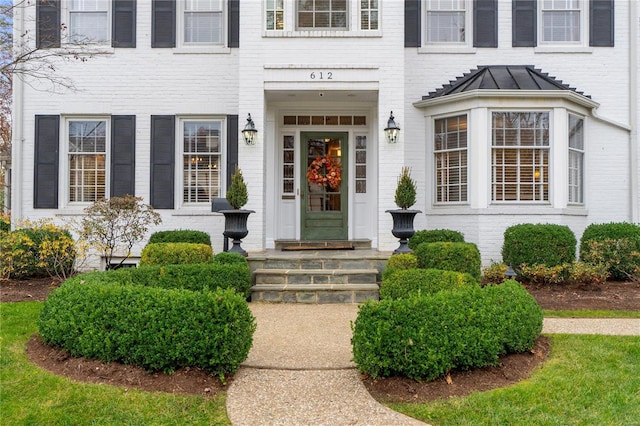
<point x="633" y="111"/>
<point x="17" y="122"/>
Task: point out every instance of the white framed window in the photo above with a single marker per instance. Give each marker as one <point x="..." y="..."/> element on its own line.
<point x="447" y="22"/>
<point x="87" y="150"/>
<point x="89" y="21"/>
<point x="450" y="151"/>
<point x="562" y="21"/>
<point x="202" y="159"/>
<point x="520" y="149"/>
<point x="322" y="14"/>
<point x="274" y="10"/>
<point x="202" y="22"/>
<point x="576" y="160"/>
<point x="369" y="15"/>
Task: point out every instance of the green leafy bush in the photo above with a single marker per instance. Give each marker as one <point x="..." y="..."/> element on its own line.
<point x="538" y="244"/>
<point x="227" y="257"/>
<point x="435" y="236"/>
<point x="157" y="329"/>
<point x="175" y="253"/>
<point x="5" y="224"/>
<point x="180" y="236"/>
<point x="415" y="282"/>
<point x="196" y="277"/>
<point x="400" y="262"/>
<point x="459" y="257"/>
<point x="424" y="337"/>
<point x="494" y="273"/>
<point x="614" y="244"/>
<point x="580" y="273"/>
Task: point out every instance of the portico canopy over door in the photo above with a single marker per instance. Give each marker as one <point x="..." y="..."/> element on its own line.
<point x="324" y="186"/>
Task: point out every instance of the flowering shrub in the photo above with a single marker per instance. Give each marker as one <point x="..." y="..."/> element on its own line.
<point x="332" y="172"/>
<point x="581" y="273"/>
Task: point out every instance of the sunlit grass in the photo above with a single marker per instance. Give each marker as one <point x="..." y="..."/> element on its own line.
<point x="30" y="395"/>
<point x="588" y="380"/>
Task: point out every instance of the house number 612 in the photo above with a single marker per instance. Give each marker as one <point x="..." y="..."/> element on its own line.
<point x="321" y="75"/>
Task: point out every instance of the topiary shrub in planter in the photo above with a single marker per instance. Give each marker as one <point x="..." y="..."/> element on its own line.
<point x="616" y="245"/>
<point x="538" y="244"/>
<point x="459" y="257"/>
<point x="175" y="253"/>
<point x="424" y="337"/>
<point x="435" y="236"/>
<point x="196" y="277"/>
<point x="180" y="236"/>
<point x="405" y="197"/>
<point x="403" y="284"/>
<point x="157" y="329"/>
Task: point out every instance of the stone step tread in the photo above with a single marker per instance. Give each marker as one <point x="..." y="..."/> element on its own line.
<point x="315" y="287"/>
<point x="269" y="271"/>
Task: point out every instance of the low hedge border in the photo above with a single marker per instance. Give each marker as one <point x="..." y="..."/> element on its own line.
<point x="175" y="253"/>
<point x="400" y="284"/>
<point x="180" y="236"/>
<point x="424" y="337"/>
<point x="435" y="236"/>
<point x="157" y="329"/>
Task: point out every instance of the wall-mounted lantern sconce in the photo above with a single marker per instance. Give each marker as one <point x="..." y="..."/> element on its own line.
<point x="249" y="132"/>
<point x="392" y="130"/>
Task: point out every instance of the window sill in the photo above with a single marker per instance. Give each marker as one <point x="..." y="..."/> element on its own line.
<point x="195" y="211"/>
<point x="322" y="34"/>
<point x="563" y="49"/>
<point x="201" y="50"/>
<point x="508" y="209"/>
<point x="447" y="50"/>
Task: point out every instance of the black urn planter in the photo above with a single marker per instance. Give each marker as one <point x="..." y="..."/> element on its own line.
<point x="403" y="228"/>
<point x="235" y="227"/>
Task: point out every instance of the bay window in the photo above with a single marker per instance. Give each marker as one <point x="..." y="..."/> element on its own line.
<point x="450" y="156"/>
<point x="576" y="160"/>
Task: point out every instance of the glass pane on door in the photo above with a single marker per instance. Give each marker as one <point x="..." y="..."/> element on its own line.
<point x="324" y="175"/>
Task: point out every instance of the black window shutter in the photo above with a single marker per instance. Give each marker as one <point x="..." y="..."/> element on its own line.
<point x="234" y="23"/>
<point x="123" y="155"/>
<point x="524" y="21"/>
<point x="124" y="23"/>
<point x="412" y="23"/>
<point x="601" y="23"/>
<point x="232" y="146"/>
<point x="163" y="23"/>
<point x="485" y="23"/>
<point x="48" y="23"/>
<point x="47" y="142"/>
<point x="163" y="135"/>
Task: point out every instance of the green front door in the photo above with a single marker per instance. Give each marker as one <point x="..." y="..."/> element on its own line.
<point x="324" y="189"/>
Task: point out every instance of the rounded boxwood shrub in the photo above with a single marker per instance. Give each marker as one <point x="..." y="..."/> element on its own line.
<point x="402" y="284"/>
<point x="227" y="258"/>
<point x="424" y="337"/>
<point x="180" y="236"/>
<point x="616" y="245"/>
<point x="196" y="277"/>
<point x="175" y="253"/>
<point x="459" y="257"/>
<point x="435" y="236"/>
<point x="154" y="328"/>
<point x="538" y="244"/>
<point x="400" y="262"/>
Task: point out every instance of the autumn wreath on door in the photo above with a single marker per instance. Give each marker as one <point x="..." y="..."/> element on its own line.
<point x="325" y="171"/>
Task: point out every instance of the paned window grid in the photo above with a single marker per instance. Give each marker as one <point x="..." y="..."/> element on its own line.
<point x="561" y="21"/>
<point x="87" y="160"/>
<point x="520" y="157"/>
<point x="324" y="120"/>
<point x="361" y="164"/>
<point x="576" y="160"/>
<point x="446" y="21"/>
<point x="288" y="165"/>
<point x="450" y="151"/>
<point x="203" y="22"/>
<point x="369" y="15"/>
<point x="275" y="14"/>
<point x="89" y="21"/>
<point x="322" y="14"/>
<point x="201" y="161"/>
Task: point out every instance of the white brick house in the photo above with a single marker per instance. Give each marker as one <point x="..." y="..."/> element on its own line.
<point x="510" y="111"/>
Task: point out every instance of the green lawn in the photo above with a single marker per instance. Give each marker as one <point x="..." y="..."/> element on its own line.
<point x="588" y="380"/>
<point x="30" y="395"/>
<point x="591" y="314"/>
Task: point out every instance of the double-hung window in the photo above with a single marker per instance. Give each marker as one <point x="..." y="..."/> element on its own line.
<point x="446" y="21"/>
<point x="87" y="157"/>
<point x="520" y="157"/>
<point x="89" y="21"/>
<point x="203" y="22"/>
<point x="450" y="156"/>
<point x="576" y="160"/>
<point x="369" y="15"/>
<point x="561" y="21"/>
<point x="322" y="14"/>
<point x="202" y="160"/>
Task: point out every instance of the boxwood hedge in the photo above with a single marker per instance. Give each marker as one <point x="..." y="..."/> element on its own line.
<point x="538" y="244"/>
<point x="414" y="282"/>
<point x="459" y="257"/>
<point x="205" y="276"/>
<point x="435" y="236"/>
<point x="157" y="329"/>
<point x="175" y="253"/>
<point x="180" y="236"/>
<point x="424" y="337"/>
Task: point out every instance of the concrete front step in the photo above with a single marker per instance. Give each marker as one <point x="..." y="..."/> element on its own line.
<point x="315" y="276"/>
<point x="314" y="293"/>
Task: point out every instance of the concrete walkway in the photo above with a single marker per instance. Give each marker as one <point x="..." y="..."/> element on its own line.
<point x="299" y="370"/>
